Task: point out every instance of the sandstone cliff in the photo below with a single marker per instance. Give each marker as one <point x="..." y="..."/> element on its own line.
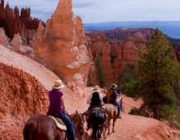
<point x="61" y="46"/>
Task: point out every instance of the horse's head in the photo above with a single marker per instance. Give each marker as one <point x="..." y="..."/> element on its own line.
<point x="78" y="120"/>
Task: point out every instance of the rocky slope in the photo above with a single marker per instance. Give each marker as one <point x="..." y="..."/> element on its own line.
<point x="21" y="95"/>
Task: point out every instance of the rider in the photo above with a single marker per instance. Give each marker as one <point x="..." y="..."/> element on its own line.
<point x="95" y="102"/>
<point x="115" y="98"/>
<point x="96" y="98"/>
<point x="57" y="108"/>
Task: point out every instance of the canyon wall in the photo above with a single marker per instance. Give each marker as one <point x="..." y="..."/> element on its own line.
<point x="116" y="49"/>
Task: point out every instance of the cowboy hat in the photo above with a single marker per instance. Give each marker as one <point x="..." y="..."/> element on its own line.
<point x="58" y="84"/>
<point x="96" y="88"/>
<point x="113" y="86"/>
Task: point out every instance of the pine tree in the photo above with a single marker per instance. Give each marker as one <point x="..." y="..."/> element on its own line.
<point x="158" y="72"/>
<point x="128" y="79"/>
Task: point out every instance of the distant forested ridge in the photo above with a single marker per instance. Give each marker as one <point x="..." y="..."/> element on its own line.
<point x="170" y="28"/>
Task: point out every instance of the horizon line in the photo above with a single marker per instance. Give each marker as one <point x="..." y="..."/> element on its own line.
<point x="132" y="21"/>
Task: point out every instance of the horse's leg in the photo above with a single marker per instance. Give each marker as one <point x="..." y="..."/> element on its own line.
<point x="103" y="132"/>
<point x="109" y="125"/>
<point x="114" y="120"/>
<point x="104" y="129"/>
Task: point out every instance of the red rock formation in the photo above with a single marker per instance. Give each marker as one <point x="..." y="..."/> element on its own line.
<point x="16" y="45"/>
<point x="4" y="40"/>
<point x="61" y="47"/>
<point x="18" y="21"/>
<point x="21" y="96"/>
<point x="117" y="48"/>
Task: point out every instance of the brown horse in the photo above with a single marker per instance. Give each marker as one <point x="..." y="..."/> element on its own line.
<point x="42" y="127"/>
<point x="112" y="112"/>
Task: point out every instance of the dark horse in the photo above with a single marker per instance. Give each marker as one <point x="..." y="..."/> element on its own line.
<point x="42" y="127"/>
<point x="96" y="119"/>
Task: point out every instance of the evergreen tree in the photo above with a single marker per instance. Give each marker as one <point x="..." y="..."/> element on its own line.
<point x="158" y="71"/>
<point x="128" y="79"/>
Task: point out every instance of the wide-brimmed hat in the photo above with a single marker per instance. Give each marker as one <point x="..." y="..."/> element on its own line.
<point x="96" y="88"/>
<point x="113" y="86"/>
<point x="58" y="84"/>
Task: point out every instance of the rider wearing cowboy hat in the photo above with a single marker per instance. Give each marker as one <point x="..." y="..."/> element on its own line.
<point x="57" y="108"/>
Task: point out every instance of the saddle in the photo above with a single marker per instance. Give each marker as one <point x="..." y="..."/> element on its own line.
<point x="59" y="123"/>
<point x="95" y="109"/>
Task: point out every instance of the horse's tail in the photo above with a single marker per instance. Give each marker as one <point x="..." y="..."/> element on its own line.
<point x="28" y="131"/>
<point x="95" y="132"/>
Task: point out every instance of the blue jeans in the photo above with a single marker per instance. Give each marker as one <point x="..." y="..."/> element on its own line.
<point x="70" y="126"/>
<point x="118" y="105"/>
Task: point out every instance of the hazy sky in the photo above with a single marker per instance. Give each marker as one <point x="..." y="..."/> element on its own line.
<point x="108" y="10"/>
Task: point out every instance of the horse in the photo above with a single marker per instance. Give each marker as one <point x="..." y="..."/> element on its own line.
<point x="42" y="127"/>
<point x="96" y="119"/>
<point x="112" y="112"/>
